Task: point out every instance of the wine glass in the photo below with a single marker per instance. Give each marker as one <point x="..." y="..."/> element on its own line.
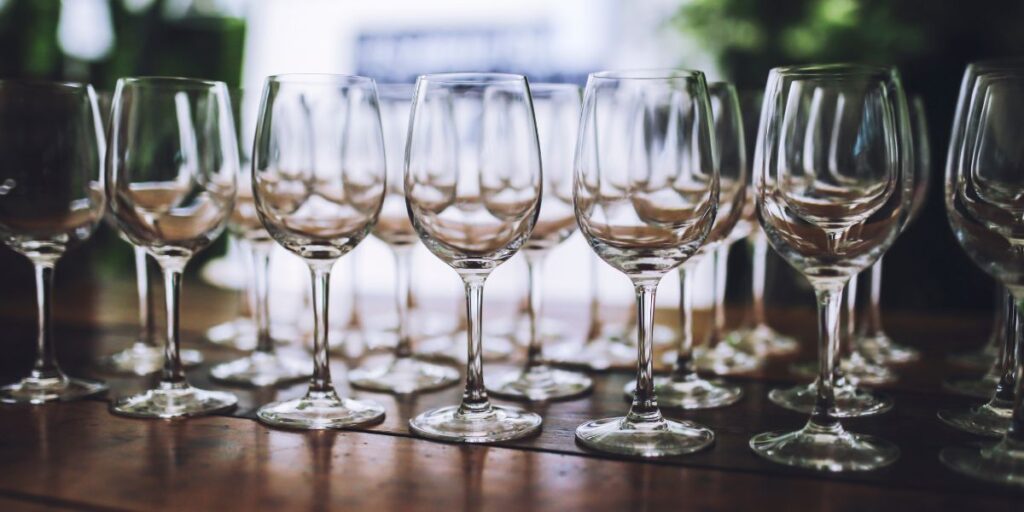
<point x="684" y="388"/>
<point x="872" y="341"/>
<point x="145" y="355"/>
<point x="983" y="201"/>
<point x="473" y="190"/>
<point x="1000" y="342"/>
<point x="833" y="174"/>
<point x="404" y="373"/>
<point x="756" y="335"/>
<point x="720" y="354"/>
<point x="318" y="185"/>
<point x="170" y="177"/>
<point x="557" y="110"/>
<point x="266" y="365"/>
<point x="51" y="199"/>
<point x="645" y="191"/>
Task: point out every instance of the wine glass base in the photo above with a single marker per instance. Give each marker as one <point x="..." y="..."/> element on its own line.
<point x="825" y="449"/>
<point x="497" y="423"/>
<point x="661" y="438"/>
<point x="169" y="403"/>
<point x="881" y="348"/>
<point x="240" y="334"/>
<point x="984" y="420"/>
<point x="850" y="401"/>
<point x="261" y="369"/>
<point x="320" y="411"/>
<point x="541" y="384"/>
<point x="141" y="359"/>
<point x="764" y="340"/>
<point x="725" y="359"/>
<point x="999" y="463"/>
<point x="599" y="354"/>
<point x="858" y="370"/>
<point x="977" y="387"/>
<point x="32" y="390"/>
<point x="692" y="393"/>
<point x="403" y="376"/>
<point x="453" y="347"/>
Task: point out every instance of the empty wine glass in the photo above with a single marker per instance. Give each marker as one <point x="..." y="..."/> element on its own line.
<point x="266" y="365"/>
<point x="983" y="202"/>
<point x="473" y="188"/>
<point x="145" y="355"/>
<point x="51" y="199"/>
<point x="1000" y="343"/>
<point x="684" y="388"/>
<point x="645" y="191"/>
<point x="833" y="179"/>
<point x="872" y="340"/>
<point x="318" y="185"/>
<point x="170" y="176"/>
<point x="720" y="354"/>
<point x="557" y="110"/>
<point x="403" y="373"/>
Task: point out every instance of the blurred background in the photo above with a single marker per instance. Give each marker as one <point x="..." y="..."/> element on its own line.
<point x="242" y="41"/>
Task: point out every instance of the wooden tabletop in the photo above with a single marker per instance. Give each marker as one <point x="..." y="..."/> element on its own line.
<point x="79" y="456"/>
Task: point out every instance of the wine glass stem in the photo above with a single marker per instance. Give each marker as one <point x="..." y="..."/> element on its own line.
<point x="721" y="268"/>
<point x="645" y="403"/>
<point x="147" y="320"/>
<point x="596" y="325"/>
<point x="535" y="306"/>
<point x="355" y="322"/>
<point x="684" y="351"/>
<point x="321" y="277"/>
<point x="260" y="295"/>
<point x="758" y="275"/>
<point x="1008" y="355"/>
<point x="403" y="299"/>
<point x="174" y="374"/>
<point x="46" y="360"/>
<point x="871" y="324"/>
<point x="474" y="398"/>
<point x="830" y="299"/>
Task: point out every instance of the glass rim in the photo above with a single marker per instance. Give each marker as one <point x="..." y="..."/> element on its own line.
<point x="647" y="74"/>
<point x="320" y="79"/>
<point x="472" y="78"/>
<point x="40" y="83"/>
<point x="839" y="69"/>
<point x="181" y="82"/>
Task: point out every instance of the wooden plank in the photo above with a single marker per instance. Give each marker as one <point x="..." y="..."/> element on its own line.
<point x="77" y="452"/>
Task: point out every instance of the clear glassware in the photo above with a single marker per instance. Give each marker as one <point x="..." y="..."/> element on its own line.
<point x="266" y="365"/>
<point x="145" y="355"/>
<point x="646" y="189"/>
<point x="756" y="335"/>
<point x="833" y="174"/>
<point x="51" y="198"/>
<point x="557" y="111"/>
<point x="871" y="341"/>
<point x="473" y="187"/>
<point x="993" y="417"/>
<point x="983" y="202"/>
<point x="403" y="373"/>
<point x="983" y="386"/>
<point x="721" y="354"/>
<point x="684" y="388"/>
<point x="319" y="176"/>
<point x="170" y="178"/>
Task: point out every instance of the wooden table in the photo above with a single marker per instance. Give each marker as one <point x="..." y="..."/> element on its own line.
<point x="78" y="456"/>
